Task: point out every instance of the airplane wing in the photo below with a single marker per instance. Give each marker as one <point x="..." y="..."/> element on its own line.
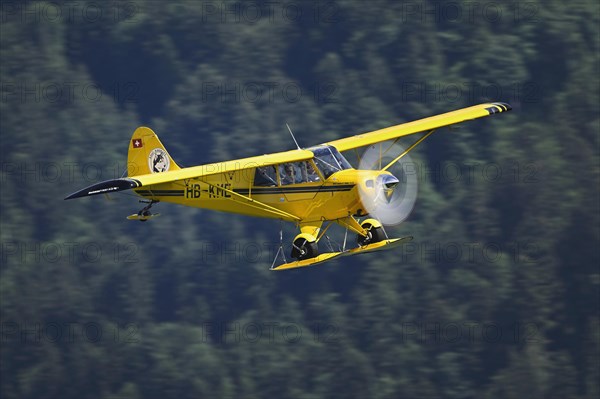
<point x="419" y="126"/>
<point x="422" y="125"/>
<point x="127" y="183"/>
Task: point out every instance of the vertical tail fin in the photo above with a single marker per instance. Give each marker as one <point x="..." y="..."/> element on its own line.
<point x="147" y="154"/>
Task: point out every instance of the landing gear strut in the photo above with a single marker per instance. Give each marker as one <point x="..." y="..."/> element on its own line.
<point x="144" y="214"/>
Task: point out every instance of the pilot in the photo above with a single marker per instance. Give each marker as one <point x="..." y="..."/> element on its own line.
<point x="288" y="175"/>
<point x="312" y="175"/>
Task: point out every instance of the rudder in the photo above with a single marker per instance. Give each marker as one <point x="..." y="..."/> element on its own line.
<point x="147" y="154"/>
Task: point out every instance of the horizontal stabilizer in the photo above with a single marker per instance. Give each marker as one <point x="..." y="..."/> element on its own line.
<point x="105" y="187"/>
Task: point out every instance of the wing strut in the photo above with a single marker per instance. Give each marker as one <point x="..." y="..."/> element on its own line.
<point x="409" y="149"/>
<point x="257" y="204"/>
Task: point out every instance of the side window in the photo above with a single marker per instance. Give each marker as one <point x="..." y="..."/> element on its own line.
<point x="293" y="173"/>
<point x="265" y="176"/>
<point x="311" y="173"/>
<point x="287" y="173"/>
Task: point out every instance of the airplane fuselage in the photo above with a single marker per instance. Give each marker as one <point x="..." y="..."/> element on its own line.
<point x="333" y="198"/>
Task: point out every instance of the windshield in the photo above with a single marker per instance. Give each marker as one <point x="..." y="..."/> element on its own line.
<point x="329" y="160"/>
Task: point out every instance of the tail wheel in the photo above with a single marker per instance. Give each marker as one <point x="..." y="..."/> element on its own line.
<point x="144" y="213"/>
<point x="304" y="249"/>
<point x="374" y="234"/>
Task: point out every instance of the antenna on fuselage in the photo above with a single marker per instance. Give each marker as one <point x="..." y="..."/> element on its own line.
<point x="288" y="126"/>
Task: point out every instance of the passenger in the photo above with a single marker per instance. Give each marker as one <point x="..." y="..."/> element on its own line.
<point x="289" y="174"/>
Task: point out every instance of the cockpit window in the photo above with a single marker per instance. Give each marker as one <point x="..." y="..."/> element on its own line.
<point x="311" y="173"/>
<point x="265" y="176"/>
<point x="289" y="174"/>
<point x="298" y="172"/>
<point x="329" y="160"/>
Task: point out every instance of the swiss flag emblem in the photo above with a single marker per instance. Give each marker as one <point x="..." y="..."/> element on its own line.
<point x="137" y="143"/>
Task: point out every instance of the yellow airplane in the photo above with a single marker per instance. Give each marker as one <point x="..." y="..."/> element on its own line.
<point x="308" y="187"/>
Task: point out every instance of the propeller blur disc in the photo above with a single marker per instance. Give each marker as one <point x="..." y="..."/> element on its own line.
<point x="388" y="198"/>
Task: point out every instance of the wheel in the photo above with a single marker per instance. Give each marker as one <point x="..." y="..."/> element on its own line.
<point x="144" y="213"/>
<point x="374" y="234"/>
<point x="303" y="249"/>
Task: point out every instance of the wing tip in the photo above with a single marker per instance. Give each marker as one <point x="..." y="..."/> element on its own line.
<point x="498" y="107"/>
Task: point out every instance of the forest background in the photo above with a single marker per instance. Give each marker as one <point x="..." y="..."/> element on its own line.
<point x="497" y="296"/>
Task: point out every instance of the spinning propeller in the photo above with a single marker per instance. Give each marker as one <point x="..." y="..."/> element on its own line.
<point x="389" y="195"/>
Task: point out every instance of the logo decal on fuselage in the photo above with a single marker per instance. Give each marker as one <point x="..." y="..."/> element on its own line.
<point x="158" y="161"/>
